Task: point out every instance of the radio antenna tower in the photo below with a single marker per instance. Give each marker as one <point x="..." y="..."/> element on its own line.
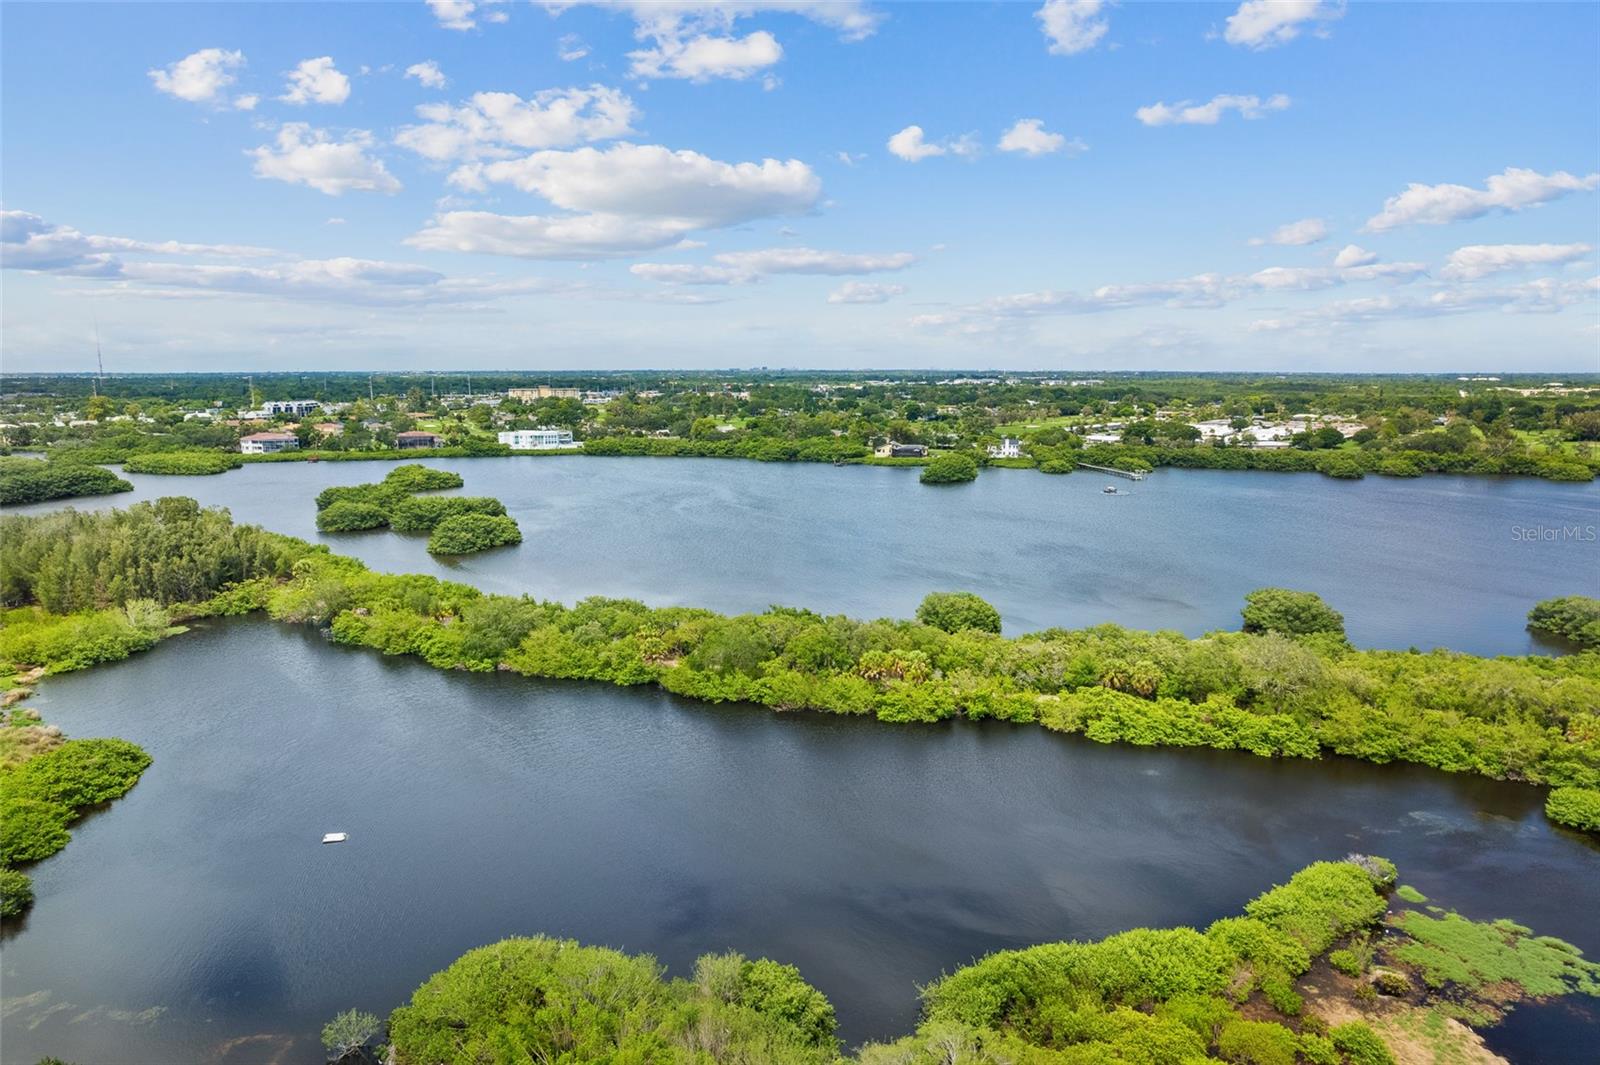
<point x="99" y="362"/>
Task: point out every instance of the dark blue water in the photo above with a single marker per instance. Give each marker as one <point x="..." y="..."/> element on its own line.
<point x="1434" y="561"/>
<point x="199" y="918"/>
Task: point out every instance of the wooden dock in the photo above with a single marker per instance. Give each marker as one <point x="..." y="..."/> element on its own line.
<point x="1132" y="475"/>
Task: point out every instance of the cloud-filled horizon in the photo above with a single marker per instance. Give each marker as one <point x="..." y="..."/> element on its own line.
<point x="619" y="184"/>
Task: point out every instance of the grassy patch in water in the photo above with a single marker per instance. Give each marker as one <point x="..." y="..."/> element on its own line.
<point x="1475" y="954"/>
<point x="1410" y="894"/>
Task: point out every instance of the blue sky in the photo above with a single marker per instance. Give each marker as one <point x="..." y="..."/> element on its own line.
<point x="1277" y="184"/>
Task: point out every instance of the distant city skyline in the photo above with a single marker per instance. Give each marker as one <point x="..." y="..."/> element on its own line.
<point x="1273" y="185"/>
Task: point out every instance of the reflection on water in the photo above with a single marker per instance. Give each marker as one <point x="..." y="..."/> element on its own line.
<point x="480" y="806"/>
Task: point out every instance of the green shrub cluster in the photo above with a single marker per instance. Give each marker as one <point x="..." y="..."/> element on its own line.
<point x="464" y="534"/>
<point x="424" y="513"/>
<point x="953" y="467"/>
<point x="187" y="463"/>
<point x="45" y="794"/>
<point x="61" y="643"/>
<point x="415" y="477"/>
<point x="958" y="612"/>
<point x="1575" y="807"/>
<point x="554" y="1000"/>
<point x="1574" y="617"/>
<point x="1290" y="613"/>
<point x="349" y="516"/>
<point x="32" y="481"/>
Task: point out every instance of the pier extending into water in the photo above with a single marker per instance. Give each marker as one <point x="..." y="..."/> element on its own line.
<point x="1132" y="475"/>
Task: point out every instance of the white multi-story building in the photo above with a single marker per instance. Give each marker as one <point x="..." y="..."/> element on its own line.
<point x="296" y="407"/>
<point x="543" y="438"/>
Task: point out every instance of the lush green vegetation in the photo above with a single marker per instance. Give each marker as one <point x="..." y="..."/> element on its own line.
<point x="31" y="481"/>
<point x="554" y="1000"/>
<point x="352" y="517"/>
<point x="460" y="525"/>
<point x="415" y="477"/>
<point x="1342" y="426"/>
<point x="348" y="1031"/>
<point x="1290" y="613"/>
<point x="1173" y="996"/>
<point x="42" y="796"/>
<point x="1473" y="955"/>
<point x="169" y="551"/>
<point x="1575" y="618"/>
<point x="424" y="513"/>
<point x="950" y="468"/>
<point x="464" y="534"/>
<point x="957" y="612"/>
<point x="1574" y="806"/>
<point x="182" y="463"/>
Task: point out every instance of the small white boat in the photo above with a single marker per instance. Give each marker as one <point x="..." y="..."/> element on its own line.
<point x="1110" y="489"/>
<point x="335" y="837"/>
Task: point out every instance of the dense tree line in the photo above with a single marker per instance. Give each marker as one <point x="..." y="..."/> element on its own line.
<point x="182" y="463"/>
<point x="1294" y="689"/>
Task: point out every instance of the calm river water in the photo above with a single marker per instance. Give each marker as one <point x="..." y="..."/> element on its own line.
<point x="1434" y="561"/>
<point x="199" y="918"/>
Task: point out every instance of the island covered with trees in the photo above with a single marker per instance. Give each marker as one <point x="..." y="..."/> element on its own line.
<point x="1332" y="967"/>
<point x="1344" y="426"/>
<point x="458" y="525"/>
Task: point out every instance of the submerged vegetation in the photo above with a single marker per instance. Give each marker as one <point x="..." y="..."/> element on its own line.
<point x="1242" y="990"/>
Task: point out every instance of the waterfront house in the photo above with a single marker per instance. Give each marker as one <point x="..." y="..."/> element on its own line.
<point x="892" y="450"/>
<point x="543" y="438"/>
<point x="413" y="438"/>
<point x="267" y="443"/>
<point x="1008" y="448"/>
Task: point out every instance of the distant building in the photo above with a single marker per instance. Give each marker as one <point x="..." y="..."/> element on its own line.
<point x="892" y="450"/>
<point x="329" y="428"/>
<point x="296" y="407"/>
<point x="267" y="443"/>
<point x="413" y="438"/>
<point x="1103" y="438"/>
<point x="543" y="438"/>
<point x="1008" y="448"/>
<point x="529" y="395"/>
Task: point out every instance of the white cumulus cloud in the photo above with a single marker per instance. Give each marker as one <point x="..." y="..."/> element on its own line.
<point x="701" y="58"/>
<point x="1029" y="137"/>
<point x="1354" y="255"/>
<point x="865" y="292"/>
<point x="199" y="77"/>
<point x="1480" y="260"/>
<point x="1514" y="189"/>
<point x="306" y="156"/>
<point x="1296" y="234"/>
<point x="428" y="74"/>
<point x="1188" y="113"/>
<point x="316" y="81"/>
<point x="622" y="200"/>
<point x="1260" y="24"/>
<point x="911" y="144"/>
<point x="1072" y="26"/>
<point x="490" y="124"/>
